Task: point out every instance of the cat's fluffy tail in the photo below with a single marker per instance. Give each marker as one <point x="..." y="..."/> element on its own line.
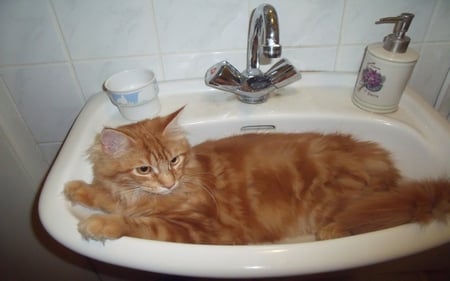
<point x="421" y="202"/>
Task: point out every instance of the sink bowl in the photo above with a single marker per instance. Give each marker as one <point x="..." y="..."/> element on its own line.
<point x="417" y="136"/>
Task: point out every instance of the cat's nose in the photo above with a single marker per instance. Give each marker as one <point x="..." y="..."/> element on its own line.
<point x="167" y="180"/>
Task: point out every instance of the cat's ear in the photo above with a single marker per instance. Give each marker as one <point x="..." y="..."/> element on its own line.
<point x="172" y="128"/>
<point x="114" y="142"/>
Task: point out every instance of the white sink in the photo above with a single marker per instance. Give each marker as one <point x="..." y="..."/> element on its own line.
<point x="417" y="136"/>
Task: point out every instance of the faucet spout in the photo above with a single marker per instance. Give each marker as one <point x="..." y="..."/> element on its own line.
<point x="252" y="85"/>
<point x="263" y="38"/>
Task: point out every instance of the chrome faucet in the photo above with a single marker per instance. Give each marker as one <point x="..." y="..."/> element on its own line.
<point x="252" y="85"/>
<point x="263" y="36"/>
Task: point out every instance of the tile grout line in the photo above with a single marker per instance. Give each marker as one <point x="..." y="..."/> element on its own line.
<point x="341" y="30"/>
<point x="69" y="60"/>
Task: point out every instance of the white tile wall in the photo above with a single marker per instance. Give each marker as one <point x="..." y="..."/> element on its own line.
<point x="201" y="25"/>
<point x="54" y="54"/>
<point x="307" y="23"/>
<point x="46" y="96"/>
<point x="107" y="28"/>
<point x="431" y="70"/>
<point x="314" y="58"/>
<point x="28" y="33"/>
<point x="360" y="15"/>
<point x="439" y="25"/>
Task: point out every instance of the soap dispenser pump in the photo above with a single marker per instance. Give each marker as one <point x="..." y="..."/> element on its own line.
<point x="386" y="68"/>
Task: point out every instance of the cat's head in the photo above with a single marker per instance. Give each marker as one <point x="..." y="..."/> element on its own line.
<point x="145" y="156"/>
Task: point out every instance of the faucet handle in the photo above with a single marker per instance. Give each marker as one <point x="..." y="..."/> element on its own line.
<point x="223" y="74"/>
<point x="282" y="73"/>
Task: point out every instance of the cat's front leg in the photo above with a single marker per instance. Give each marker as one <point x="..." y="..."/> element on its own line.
<point x="101" y="227"/>
<point x="80" y="192"/>
<point x="112" y="226"/>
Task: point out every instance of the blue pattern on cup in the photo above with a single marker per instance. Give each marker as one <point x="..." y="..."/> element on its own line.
<point x="126" y="99"/>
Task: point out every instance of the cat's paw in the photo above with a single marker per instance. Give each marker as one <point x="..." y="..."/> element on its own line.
<point x="77" y="192"/>
<point x="331" y="231"/>
<point x="102" y="227"/>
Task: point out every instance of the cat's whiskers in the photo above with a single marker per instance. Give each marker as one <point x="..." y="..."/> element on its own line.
<point x="130" y="194"/>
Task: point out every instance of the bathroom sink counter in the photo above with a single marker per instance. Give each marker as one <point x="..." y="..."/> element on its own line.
<point x="416" y="135"/>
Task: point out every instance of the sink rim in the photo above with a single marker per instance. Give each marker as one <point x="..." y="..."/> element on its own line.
<point x="250" y="260"/>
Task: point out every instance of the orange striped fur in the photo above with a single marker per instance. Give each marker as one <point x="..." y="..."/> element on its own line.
<point x="150" y="183"/>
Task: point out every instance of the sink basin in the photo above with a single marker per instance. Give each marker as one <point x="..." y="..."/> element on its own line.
<point x="417" y="136"/>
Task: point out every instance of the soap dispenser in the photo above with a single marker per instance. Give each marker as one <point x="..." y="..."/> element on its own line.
<point x="386" y="69"/>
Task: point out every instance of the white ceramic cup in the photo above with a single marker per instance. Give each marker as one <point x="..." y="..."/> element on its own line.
<point x="135" y="93"/>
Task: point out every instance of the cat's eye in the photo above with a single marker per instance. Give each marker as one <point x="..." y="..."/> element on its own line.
<point x="174" y="161"/>
<point x="143" y="170"/>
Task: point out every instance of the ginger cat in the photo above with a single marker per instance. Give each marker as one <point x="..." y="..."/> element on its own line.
<point x="253" y="188"/>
